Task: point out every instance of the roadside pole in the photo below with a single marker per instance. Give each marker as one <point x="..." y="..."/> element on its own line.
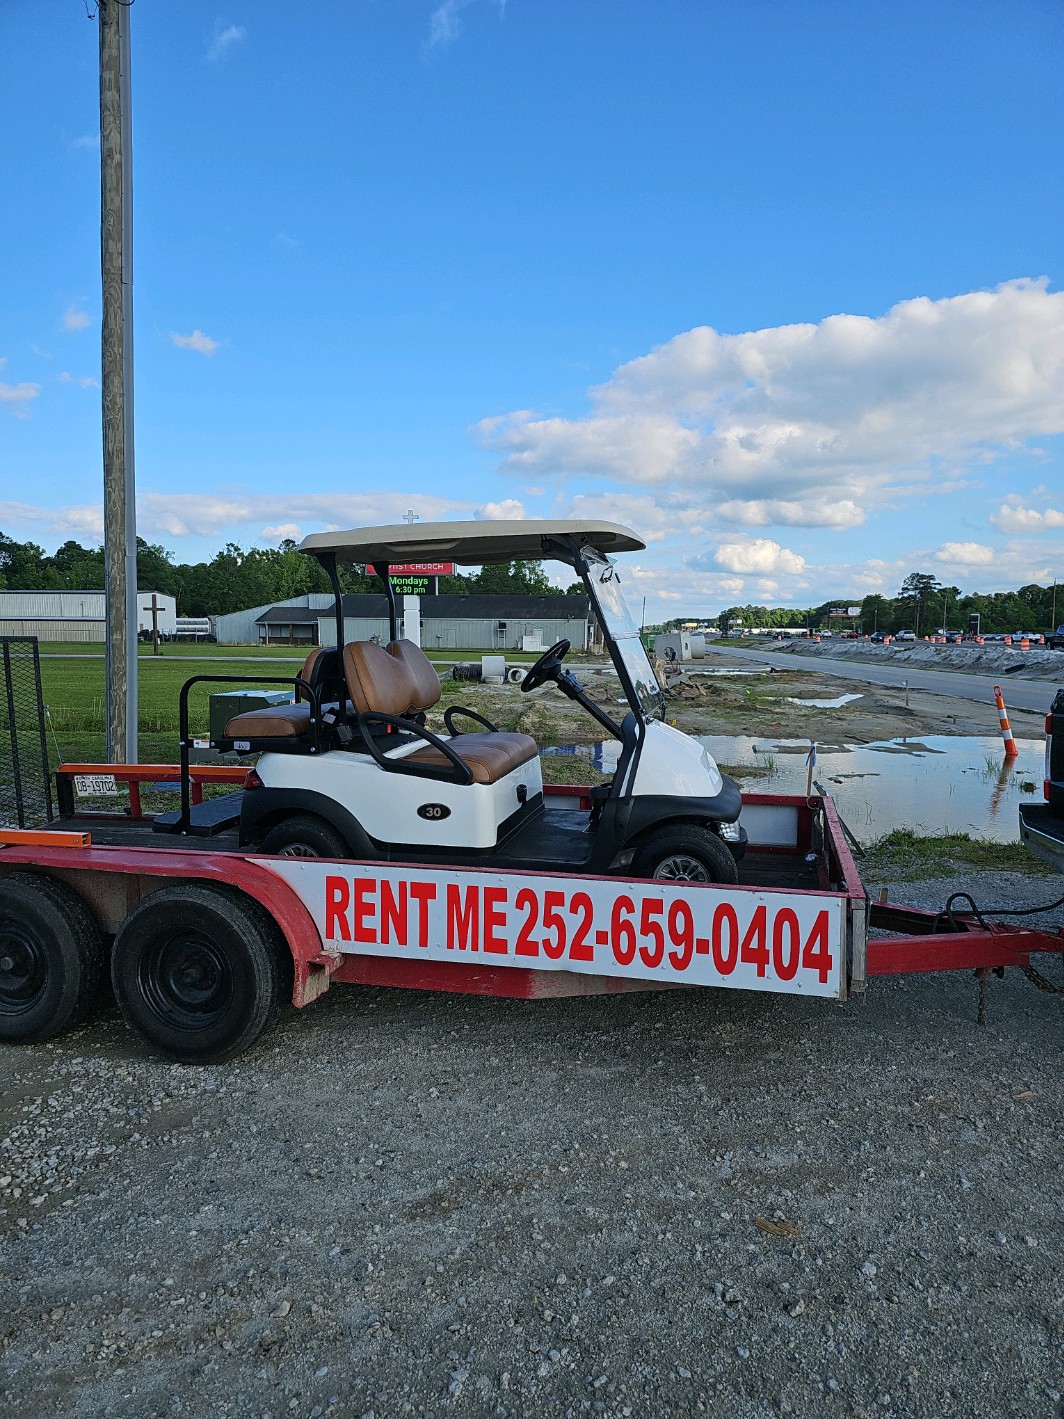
<point x="116" y="264"/>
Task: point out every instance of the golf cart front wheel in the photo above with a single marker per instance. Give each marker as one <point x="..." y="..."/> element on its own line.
<point x="686" y="853"/>
<point x="304" y="835"/>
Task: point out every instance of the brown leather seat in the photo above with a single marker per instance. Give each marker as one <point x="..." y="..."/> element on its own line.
<point x="488" y="756"/>
<point x="271" y="722"/>
<point x="398" y="679"/>
<point x="394" y="679"/>
<point x="285" y="721"/>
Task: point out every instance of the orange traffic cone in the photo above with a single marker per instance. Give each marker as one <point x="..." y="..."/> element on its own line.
<point x="1011" y="752"/>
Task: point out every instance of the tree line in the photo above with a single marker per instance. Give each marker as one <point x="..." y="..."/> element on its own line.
<point x="234" y="579"/>
<point x="923" y="605"/>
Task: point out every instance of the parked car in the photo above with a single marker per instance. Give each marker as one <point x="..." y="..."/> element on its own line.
<point x="905" y="636"/>
<point x="878" y="637"/>
<point x="1055" y="639"/>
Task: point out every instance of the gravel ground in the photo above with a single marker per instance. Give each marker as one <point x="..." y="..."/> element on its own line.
<point x="649" y="1204"/>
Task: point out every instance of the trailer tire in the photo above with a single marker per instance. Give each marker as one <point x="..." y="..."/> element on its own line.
<point x="51" y="958"/>
<point x="196" y="971"/>
<point x="685" y="853"/>
<point x="304" y="835"/>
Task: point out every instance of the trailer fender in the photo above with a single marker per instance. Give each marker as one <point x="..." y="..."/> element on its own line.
<point x="111" y="882"/>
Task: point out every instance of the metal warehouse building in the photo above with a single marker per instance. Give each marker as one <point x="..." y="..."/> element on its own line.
<point x="473" y="622"/>
<point x="75" y="615"/>
<point x="251" y="627"/>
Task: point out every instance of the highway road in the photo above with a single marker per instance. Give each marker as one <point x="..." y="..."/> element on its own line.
<point x="1033" y="695"/>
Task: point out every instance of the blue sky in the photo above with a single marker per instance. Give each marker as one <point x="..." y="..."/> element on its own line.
<point x="777" y="284"/>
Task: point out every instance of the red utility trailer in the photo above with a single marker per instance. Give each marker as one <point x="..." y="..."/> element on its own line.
<point x="207" y="938"/>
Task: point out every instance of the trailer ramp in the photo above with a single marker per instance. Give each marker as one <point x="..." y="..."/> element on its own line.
<point x="25" y="783"/>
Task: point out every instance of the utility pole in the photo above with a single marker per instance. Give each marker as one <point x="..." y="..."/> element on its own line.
<point x="116" y="264"/>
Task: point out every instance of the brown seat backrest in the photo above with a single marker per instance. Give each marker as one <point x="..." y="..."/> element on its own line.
<point x="397" y="679"/>
<point x="307" y="673"/>
<point x="322" y="670"/>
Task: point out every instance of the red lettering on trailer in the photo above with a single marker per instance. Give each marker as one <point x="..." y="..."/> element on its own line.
<point x="393" y="912"/>
<point x="786" y="923"/>
<point x="463" y="917"/>
<point x="554" y="947"/>
<point x="527" y="902"/>
<point x="816" y="953"/>
<point x="364" y="911"/>
<point x="422" y="893"/>
<point x="768" y="941"/>
<point x="725" y="957"/>
<point x="622" y="931"/>
<point x="495" y="920"/>
<point x="337" y="901"/>
<point x="581" y="950"/>
<point x="753" y="950"/>
<point x="681" y="934"/>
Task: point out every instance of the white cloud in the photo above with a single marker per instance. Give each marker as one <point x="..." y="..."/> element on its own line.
<point x="225" y="36"/>
<point x="508" y="510"/>
<point x="281" y="532"/>
<point x="66" y="522"/>
<point x="814" y="512"/>
<point x="217" y="515"/>
<point x="87" y="140"/>
<point x="236" y="514"/>
<point x="1012" y="516"/>
<point x="653" y="518"/>
<point x="446" y="23"/>
<point x="83" y="381"/>
<point x="74" y="318"/>
<point x="756" y="554"/>
<point x="16" y="397"/>
<point x="812" y="424"/>
<point x="966" y="554"/>
<point x="196" y="341"/>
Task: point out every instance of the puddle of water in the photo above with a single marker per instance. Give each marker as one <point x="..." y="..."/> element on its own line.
<point x="836" y="703"/>
<point x="940" y="783"/>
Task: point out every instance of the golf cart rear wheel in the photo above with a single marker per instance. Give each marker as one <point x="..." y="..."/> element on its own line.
<point x="51" y="958"/>
<point x="686" y="853"/>
<point x="196" y="971"/>
<point x="304" y="835"/>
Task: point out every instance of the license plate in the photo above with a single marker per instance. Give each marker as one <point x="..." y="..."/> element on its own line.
<point x="95" y="785"/>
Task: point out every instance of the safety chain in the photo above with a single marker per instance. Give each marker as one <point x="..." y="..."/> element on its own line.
<point x="1036" y="978"/>
<point x="1033" y="975"/>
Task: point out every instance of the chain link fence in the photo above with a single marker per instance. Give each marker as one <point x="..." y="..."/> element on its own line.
<point x="25" y="780"/>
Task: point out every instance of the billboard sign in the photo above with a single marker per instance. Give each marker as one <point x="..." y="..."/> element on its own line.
<point x="420" y="569"/>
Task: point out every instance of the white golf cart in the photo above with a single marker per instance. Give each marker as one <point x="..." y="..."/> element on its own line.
<point x="351" y="771"/>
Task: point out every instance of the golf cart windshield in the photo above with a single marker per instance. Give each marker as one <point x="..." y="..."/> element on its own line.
<point x="622" y="636"/>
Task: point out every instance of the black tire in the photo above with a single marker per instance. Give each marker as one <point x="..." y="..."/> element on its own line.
<point x="51" y="958"/>
<point x="196" y="971"/>
<point x="304" y="835"/>
<point x="685" y="853"/>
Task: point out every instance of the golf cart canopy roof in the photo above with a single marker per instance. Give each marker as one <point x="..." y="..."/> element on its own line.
<point x="469" y="543"/>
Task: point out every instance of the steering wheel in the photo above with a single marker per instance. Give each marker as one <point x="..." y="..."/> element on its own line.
<point x="546" y="667"/>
